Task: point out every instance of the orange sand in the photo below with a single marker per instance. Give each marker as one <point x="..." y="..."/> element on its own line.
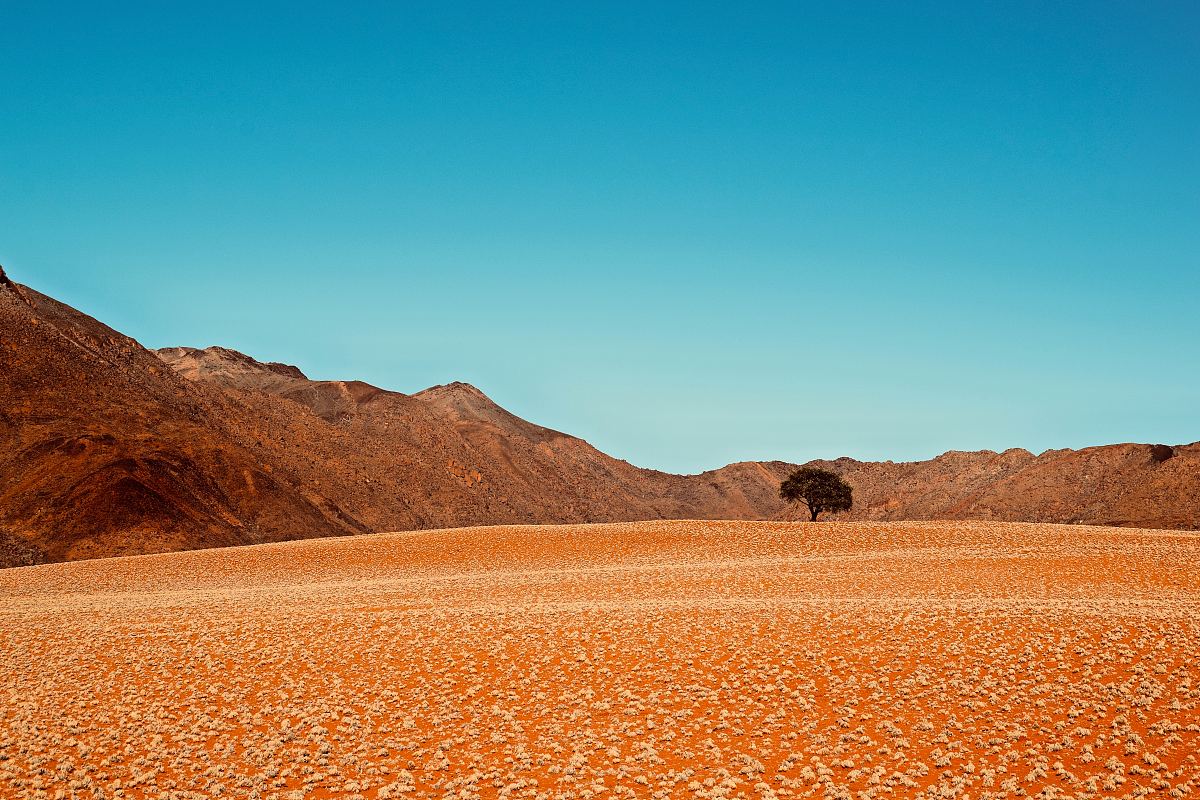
<point x="665" y="659"/>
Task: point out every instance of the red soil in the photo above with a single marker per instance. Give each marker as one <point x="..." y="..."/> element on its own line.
<point x="666" y="659"/>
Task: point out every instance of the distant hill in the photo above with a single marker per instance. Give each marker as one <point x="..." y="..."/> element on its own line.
<point x="107" y="448"/>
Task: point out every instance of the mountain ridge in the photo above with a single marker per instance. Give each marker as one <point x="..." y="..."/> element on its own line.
<point x="110" y="448"/>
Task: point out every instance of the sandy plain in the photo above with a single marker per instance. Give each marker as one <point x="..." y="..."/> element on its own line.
<point x="640" y="660"/>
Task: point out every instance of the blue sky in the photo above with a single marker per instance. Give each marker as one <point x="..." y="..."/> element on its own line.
<point x="690" y="233"/>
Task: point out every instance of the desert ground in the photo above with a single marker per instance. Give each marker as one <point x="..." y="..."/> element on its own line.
<point x="642" y="660"/>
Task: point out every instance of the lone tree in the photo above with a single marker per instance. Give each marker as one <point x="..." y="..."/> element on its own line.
<point x="819" y="489"/>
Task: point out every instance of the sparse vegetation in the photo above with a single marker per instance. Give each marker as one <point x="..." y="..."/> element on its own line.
<point x="818" y="489"/>
<point x="645" y="660"/>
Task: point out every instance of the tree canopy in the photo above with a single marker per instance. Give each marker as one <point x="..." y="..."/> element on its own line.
<point x="818" y="489"/>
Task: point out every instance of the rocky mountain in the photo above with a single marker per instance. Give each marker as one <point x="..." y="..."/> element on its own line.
<point x="1136" y="485"/>
<point x="107" y="448"/>
<point x="445" y="456"/>
<point x="104" y="450"/>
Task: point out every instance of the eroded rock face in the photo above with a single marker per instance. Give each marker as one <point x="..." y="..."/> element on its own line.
<point x="15" y="551"/>
<point x="1161" y="452"/>
<point x="6" y="283"/>
<point x="107" y="448"/>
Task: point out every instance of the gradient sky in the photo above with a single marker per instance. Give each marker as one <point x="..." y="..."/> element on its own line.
<point x="691" y="233"/>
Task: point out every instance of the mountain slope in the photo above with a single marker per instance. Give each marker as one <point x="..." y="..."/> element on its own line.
<point x="445" y="456"/>
<point x="104" y="450"/>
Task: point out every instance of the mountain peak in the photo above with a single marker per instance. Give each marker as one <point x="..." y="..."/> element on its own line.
<point x="7" y="283"/>
<point x="453" y="389"/>
<point x="193" y="361"/>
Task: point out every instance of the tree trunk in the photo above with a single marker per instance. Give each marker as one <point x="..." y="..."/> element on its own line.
<point x="814" y="510"/>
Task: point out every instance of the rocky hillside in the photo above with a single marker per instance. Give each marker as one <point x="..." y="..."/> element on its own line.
<point x="107" y="448"/>
<point x="446" y="456"/>
<point x="104" y="450"/>
<point x="1138" y="485"/>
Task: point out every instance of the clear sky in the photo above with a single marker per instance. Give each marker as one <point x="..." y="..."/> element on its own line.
<point x="691" y="233"/>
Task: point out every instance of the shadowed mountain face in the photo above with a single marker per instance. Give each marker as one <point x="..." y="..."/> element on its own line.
<point x="107" y="448"/>
<point x="104" y="450"/>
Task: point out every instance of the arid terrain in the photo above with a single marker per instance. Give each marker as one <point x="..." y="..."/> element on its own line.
<point x="654" y="659"/>
<point x="107" y="448"/>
